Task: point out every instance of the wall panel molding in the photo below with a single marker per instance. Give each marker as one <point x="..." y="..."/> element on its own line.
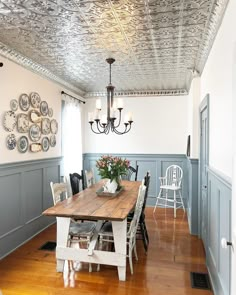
<point x="219" y="221"/>
<point x="155" y="163"/>
<point x="25" y="194"/>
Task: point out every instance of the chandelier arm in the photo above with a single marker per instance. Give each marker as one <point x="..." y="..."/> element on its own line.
<point x="118" y="124"/>
<point x="96" y="132"/>
<point x="127" y="125"/>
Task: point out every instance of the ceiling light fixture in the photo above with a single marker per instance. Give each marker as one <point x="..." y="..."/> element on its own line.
<point x="109" y="121"/>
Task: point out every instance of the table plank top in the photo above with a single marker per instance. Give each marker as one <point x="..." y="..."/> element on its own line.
<point x="88" y="205"/>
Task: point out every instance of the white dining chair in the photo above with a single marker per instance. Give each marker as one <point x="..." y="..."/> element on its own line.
<point x="89" y="177"/>
<point x="171" y="182"/>
<point x="106" y="234"/>
<point x="79" y="232"/>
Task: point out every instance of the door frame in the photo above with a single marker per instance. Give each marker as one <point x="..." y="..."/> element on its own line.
<point x="205" y="104"/>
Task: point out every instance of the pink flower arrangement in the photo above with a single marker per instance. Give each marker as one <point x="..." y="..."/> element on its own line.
<point x="112" y="167"/>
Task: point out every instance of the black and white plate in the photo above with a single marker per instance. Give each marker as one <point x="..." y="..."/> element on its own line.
<point x="44" y="108"/>
<point x="9" y="121"/>
<point x="14" y="105"/>
<point x="53" y="140"/>
<point x="45" y="144"/>
<point x="22" y="144"/>
<point x="22" y="123"/>
<point x="54" y="126"/>
<point x="34" y="132"/>
<point x="24" y="102"/>
<point x="11" y="141"/>
<point x="35" y="99"/>
<point x="50" y="112"/>
<point x="45" y="126"/>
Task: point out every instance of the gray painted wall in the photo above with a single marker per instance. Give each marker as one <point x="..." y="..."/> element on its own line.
<point x="219" y="221"/>
<point x="155" y="163"/>
<point x="24" y="194"/>
<point x="192" y="196"/>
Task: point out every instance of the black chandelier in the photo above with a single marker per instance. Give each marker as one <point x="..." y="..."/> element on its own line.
<point x="109" y="122"/>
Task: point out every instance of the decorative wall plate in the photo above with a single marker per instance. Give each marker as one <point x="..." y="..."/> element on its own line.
<point x="35" y="99"/>
<point x="45" y="144"/>
<point x="9" y="121"/>
<point x="24" y="102"/>
<point x="22" y="123"/>
<point x="14" y="105"/>
<point x="11" y="141"/>
<point x="50" y="112"/>
<point x="54" y="126"/>
<point x="23" y="144"/>
<point x="35" y="116"/>
<point x="35" y="147"/>
<point x="34" y="132"/>
<point x="45" y="126"/>
<point x="44" y="108"/>
<point x="53" y="140"/>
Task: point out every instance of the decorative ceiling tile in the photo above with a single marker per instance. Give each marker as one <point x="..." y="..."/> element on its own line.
<point x="157" y="44"/>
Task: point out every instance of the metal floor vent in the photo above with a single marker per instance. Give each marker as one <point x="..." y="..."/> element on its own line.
<point x="48" y="246"/>
<point x="200" y="281"/>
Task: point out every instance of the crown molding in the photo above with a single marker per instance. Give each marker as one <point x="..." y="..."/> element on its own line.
<point x="145" y="93"/>
<point x="34" y="67"/>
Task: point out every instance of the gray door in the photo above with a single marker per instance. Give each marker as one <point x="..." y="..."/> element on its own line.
<point x="204" y="135"/>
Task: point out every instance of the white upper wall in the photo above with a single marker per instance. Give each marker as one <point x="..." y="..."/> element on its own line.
<point x="16" y="80"/>
<point x="193" y="117"/>
<point x="217" y="80"/>
<point x="160" y="127"/>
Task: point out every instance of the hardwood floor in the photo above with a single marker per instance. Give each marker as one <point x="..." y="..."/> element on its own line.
<point x="173" y="253"/>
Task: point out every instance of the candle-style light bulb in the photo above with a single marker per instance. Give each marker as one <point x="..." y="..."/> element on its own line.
<point x="120" y="103"/>
<point x="90" y="116"/>
<point x="98" y="104"/>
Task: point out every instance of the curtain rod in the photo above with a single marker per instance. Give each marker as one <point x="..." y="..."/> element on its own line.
<point x="63" y="92"/>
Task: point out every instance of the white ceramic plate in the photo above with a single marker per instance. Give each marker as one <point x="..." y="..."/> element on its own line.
<point x="23" y="144"/>
<point x="35" y="147"/>
<point x="45" y="144"/>
<point x="9" y="121"/>
<point x="35" y="99"/>
<point x="35" y="116"/>
<point x="24" y="102"/>
<point x="54" y="126"/>
<point x="34" y="132"/>
<point x="44" y="108"/>
<point x="11" y="141"/>
<point x="22" y="123"/>
<point x="14" y="105"/>
<point x="45" y="126"/>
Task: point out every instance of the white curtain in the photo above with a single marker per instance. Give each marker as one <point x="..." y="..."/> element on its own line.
<point x="71" y="136"/>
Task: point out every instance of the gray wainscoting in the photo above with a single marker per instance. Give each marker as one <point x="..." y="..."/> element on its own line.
<point x="192" y="196"/>
<point x="24" y="195"/>
<point x="155" y="163"/>
<point x="219" y="226"/>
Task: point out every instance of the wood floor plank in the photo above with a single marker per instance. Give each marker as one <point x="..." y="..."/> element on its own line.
<point x="173" y="253"/>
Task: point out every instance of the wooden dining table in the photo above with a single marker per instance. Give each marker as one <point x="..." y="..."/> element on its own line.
<point x="88" y="205"/>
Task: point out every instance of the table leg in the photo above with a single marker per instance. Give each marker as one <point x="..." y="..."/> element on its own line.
<point x="63" y="225"/>
<point x="120" y="238"/>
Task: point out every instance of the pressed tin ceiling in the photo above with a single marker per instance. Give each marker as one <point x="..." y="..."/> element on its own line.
<point x="158" y="45"/>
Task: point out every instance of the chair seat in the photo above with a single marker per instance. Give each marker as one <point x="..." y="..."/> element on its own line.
<point x="170" y="187"/>
<point x="83" y="228"/>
